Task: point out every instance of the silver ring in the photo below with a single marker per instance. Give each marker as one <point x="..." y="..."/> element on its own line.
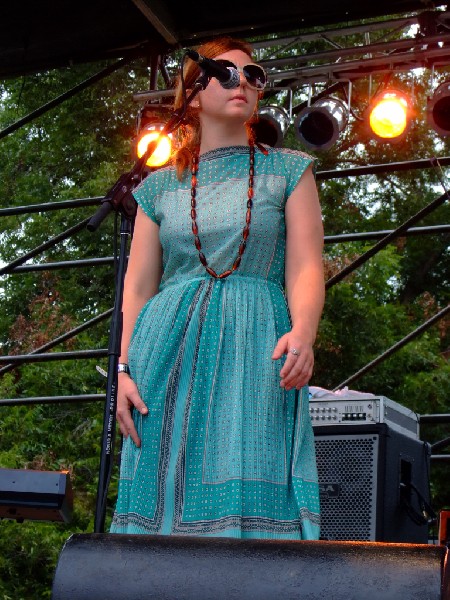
<point x="295" y="351"/>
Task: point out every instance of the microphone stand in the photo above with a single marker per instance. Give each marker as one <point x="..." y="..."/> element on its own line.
<point x="120" y="198"/>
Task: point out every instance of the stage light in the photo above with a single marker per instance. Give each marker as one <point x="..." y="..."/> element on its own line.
<point x="271" y="126"/>
<point x="318" y="126"/>
<point x="438" y="109"/>
<point x="149" y="133"/>
<point x="389" y="114"/>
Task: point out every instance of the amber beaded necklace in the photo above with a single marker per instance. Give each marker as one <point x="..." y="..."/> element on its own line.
<point x="248" y="216"/>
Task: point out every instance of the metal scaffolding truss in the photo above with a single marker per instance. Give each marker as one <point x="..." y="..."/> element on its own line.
<point x="421" y="41"/>
<point x="329" y="60"/>
<point x="331" y="57"/>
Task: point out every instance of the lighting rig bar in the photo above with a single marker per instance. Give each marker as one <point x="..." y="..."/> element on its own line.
<point x="403" y="57"/>
<point x="284" y="43"/>
<point x="429" y="47"/>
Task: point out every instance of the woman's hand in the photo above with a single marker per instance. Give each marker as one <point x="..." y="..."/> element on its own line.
<point x="128" y="397"/>
<point x="298" y="367"/>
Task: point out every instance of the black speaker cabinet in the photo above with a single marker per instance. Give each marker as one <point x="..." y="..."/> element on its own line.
<point x="374" y="483"/>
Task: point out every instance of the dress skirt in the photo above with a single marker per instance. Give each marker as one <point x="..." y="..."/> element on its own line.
<point x="224" y="451"/>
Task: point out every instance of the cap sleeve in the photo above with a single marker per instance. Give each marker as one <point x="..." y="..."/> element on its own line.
<point x="145" y="195"/>
<point x="295" y="164"/>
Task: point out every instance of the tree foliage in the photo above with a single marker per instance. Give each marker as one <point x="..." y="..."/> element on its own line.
<point x="78" y="150"/>
<point x="75" y="151"/>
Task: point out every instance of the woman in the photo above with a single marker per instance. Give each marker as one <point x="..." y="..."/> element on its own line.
<point x="214" y="405"/>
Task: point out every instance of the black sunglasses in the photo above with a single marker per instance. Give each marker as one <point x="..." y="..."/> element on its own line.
<point x="255" y="75"/>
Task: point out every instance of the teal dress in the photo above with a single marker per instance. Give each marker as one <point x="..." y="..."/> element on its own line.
<point x="225" y="450"/>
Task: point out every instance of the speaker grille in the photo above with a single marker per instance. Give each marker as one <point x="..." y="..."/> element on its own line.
<point x="347" y="467"/>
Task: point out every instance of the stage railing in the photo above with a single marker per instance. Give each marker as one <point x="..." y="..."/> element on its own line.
<point x="7" y="363"/>
<point x="383" y="238"/>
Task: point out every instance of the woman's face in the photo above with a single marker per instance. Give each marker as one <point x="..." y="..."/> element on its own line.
<point x="237" y="104"/>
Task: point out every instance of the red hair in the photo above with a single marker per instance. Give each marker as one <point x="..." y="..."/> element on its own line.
<point x="190" y="130"/>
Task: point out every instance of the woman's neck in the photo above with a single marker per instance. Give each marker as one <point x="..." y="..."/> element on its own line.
<point x="223" y="138"/>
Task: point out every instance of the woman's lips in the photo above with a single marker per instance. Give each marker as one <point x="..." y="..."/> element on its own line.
<point x="240" y="97"/>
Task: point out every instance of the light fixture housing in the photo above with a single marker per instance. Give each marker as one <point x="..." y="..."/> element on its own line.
<point x="318" y="126"/>
<point x="389" y="115"/>
<point x="271" y="126"/>
<point x="438" y="109"/>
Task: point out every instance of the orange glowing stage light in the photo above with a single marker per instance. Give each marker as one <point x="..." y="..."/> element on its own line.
<point x="163" y="150"/>
<point x="389" y="115"/>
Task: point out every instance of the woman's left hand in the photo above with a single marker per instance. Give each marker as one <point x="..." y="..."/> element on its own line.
<point x="298" y="367"/>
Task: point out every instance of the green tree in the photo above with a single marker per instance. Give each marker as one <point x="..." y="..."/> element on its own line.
<point x="79" y="150"/>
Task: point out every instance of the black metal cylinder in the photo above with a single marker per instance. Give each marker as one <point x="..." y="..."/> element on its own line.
<point x="138" y="567"/>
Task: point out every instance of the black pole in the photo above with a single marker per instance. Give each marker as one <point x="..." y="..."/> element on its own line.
<point x="58" y="238"/>
<point x="63" y="97"/>
<point x="394" y="234"/>
<point x="109" y="420"/>
<point x="401" y="230"/>
<point x="394" y="348"/>
<point x="62" y="338"/>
